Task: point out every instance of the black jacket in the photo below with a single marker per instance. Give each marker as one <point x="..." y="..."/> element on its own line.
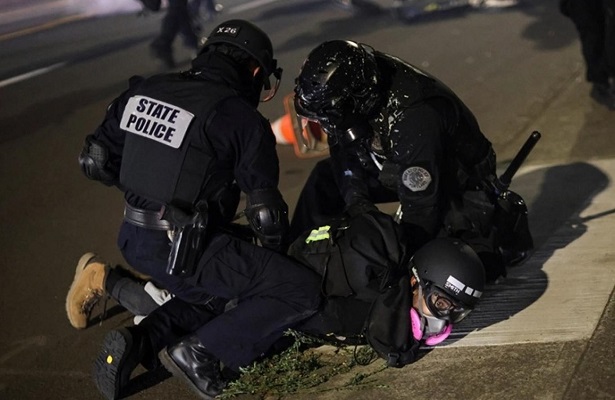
<point x="241" y="138"/>
<point x="427" y="142"/>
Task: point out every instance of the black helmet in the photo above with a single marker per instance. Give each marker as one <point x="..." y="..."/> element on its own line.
<point x="252" y="40"/>
<point x="337" y="84"/>
<point x="450" y="268"/>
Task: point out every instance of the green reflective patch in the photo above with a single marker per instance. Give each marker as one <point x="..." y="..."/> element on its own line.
<point x="321" y="233"/>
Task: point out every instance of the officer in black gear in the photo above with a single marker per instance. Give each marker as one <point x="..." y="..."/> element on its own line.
<point x="181" y="146"/>
<point x="395" y="133"/>
<point x="374" y="291"/>
<point x="271" y="293"/>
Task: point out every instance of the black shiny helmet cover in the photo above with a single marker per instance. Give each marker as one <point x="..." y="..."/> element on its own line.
<point x="337" y="84"/>
<point x="452" y="266"/>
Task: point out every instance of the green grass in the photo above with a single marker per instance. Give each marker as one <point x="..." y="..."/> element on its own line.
<point x="301" y="368"/>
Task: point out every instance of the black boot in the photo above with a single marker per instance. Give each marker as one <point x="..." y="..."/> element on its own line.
<point x="122" y="351"/>
<point x="602" y="93"/>
<point x="190" y="361"/>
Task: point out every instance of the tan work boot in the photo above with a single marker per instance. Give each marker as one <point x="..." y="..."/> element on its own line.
<point x="86" y="290"/>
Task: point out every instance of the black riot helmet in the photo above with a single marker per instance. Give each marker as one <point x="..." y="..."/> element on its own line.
<point x="338" y="86"/>
<point x="254" y="41"/>
<point x="451" y="276"/>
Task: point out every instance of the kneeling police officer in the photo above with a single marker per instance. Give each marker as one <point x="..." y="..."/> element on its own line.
<point x="398" y="134"/>
<point x="374" y="291"/>
<point x="181" y="146"/>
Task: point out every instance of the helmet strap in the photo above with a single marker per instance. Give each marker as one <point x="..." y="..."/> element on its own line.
<point x="271" y="90"/>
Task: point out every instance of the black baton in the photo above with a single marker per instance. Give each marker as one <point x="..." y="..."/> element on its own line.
<point x="503" y="182"/>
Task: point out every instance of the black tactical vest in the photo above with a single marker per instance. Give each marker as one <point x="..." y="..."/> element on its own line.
<point x="166" y="155"/>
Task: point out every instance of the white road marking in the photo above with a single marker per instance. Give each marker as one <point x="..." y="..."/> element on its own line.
<point x="234" y="10"/>
<point x="251" y="5"/>
<point x="31" y="74"/>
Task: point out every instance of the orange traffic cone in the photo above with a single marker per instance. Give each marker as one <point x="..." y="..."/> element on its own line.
<point x="283" y="130"/>
<point x="306" y="137"/>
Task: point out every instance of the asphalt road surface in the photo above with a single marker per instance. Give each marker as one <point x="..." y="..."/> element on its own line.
<point x="544" y="333"/>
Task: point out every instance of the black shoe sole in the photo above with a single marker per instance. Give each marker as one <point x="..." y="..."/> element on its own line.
<point x="177" y="372"/>
<point x="111" y="372"/>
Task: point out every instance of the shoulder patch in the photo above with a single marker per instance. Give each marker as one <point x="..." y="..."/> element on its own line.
<point x="416" y="179"/>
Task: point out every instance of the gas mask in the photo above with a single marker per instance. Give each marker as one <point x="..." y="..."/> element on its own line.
<point x="358" y="139"/>
<point x="430" y="329"/>
<point x="435" y="328"/>
<point x="359" y="133"/>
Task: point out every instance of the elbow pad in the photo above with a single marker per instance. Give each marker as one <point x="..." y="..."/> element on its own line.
<point x="267" y="214"/>
<point x="93" y="161"/>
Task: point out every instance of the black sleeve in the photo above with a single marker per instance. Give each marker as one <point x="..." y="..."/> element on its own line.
<point x="109" y="134"/>
<point x="244" y="143"/>
<point x="421" y="161"/>
<point x="349" y="174"/>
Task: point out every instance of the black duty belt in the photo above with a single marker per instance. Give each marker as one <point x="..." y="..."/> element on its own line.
<point x="145" y="218"/>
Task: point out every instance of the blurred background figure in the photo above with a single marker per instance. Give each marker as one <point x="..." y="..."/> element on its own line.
<point x="177" y="21"/>
<point x="595" y="22"/>
<point x="201" y="12"/>
<point x="205" y="9"/>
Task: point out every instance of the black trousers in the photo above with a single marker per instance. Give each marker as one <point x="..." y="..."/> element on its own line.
<point x="176" y="21"/>
<point x="272" y="292"/>
<point x="595" y="22"/>
<point x="147" y="251"/>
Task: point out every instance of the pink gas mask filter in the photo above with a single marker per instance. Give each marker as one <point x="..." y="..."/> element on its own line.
<point x="420" y="325"/>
